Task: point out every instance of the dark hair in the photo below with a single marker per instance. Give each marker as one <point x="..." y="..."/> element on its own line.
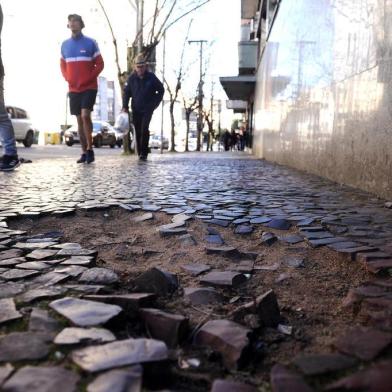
<point x="76" y="17"/>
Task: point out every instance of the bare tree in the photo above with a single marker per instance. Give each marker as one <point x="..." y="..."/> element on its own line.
<point x="189" y="109"/>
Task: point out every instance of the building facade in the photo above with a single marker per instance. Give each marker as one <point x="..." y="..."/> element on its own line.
<point x="322" y="97"/>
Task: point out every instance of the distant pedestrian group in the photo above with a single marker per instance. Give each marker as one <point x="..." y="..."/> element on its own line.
<point x="235" y="140"/>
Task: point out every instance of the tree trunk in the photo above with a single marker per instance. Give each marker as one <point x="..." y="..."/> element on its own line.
<point x="187" y="119"/>
<point x="172" y="131"/>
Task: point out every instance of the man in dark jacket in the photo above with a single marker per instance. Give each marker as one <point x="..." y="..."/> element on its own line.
<point x="9" y="161"/>
<point x="146" y="92"/>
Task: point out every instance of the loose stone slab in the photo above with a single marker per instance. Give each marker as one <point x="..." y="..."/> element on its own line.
<point x="42" y="379"/>
<point x="316" y="364"/>
<point x="84" y="335"/>
<point x="226" y="337"/>
<point x="364" y="343"/>
<point x="195" y="269"/>
<point x="10" y="289"/>
<point x="268" y="238"/>
<point x="157" y="281"/>
<point x="40" y="254"/>
<point x="226" y="251"/>
<point x="77" y="252"/>
<point x="214" y="239"/>
<point x="283" y="379"/>
<point x="72" y="270"/>
<point x="12" y="262"/>
<point x="119" y="380"/>
<point x="34" y="294"/>
<point x="292" y="239"/>
<point x="40" y="321"/>
<point x="84" y="261"/>
<point x="243" y="229"/>
<point x="10" y="254"/>
<point x="376" y="266"/>
<point x="49" y="279"/>
<point x="231" y="386"/>
<point x="20" y="346"/>
<point x="260" y="220"/>
<point x="202" y="295"/>
<point x="224" y="278"/>
<point x="376" y="378"/>
<point x="85" y="288"/>
<point x="5" y="372"/>
<point x="170" y="328"/>
<point x="67" y="245"/>
<point x="8" y="310"/>
<point x="99" y="276"/>
<point x="120" y="353"/>
<point x="16" y="274"/>
<point x="142" y="218"/>
<point x="85" y="313"/>
<point x="164" y="232"/>
<point x="34" y="245"/>
<point x="34" y="265"/>
<point x="130" y="303"/>
<point x="280" y="224"/>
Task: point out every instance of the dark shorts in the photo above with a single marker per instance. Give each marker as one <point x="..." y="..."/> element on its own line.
<point x="83" y="100"/>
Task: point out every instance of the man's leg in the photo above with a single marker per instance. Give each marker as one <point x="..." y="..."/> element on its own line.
<point x="82" y="137"/>
<point x="10" y="159"/>
<point x="145" y="136"/>
<point x="87" y="128"/>
<point x="137" y="119"/>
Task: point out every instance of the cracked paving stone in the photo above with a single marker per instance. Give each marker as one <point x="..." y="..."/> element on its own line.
<point x="33" y="265"/>
<point x="8" y="310"/>
<point x="72" y="270"/>
<point x="40" y="254"/>
<point x="119" y="380"/>
<point x="99" y="276"/>
<point x="214" y="239"/>
<point x="42" y="379"/>
<point x="226" y="251"/>
<point x="48" y="279"/>
<point x="5" y="372"/>
<point x="84" y="261"/>
<point x="202" y="295"/>
<point x="187" y="239"/>
<point x="363" y="343"/>
<point x="223" y="279"/>
<point x="120" y="353"/>
<point x="283" y="379"/>
<point x="83" y="335"/>
<point x="34" y="245"/>
<point x="85" y="313"/>
<point x="172" y="232"/>
<point x="39" y="294"/>
<point x="316" y="235"/>
<point x="77" y="252"/>
<point x="41" y="322"/>
<point x="195" y="269"/>
<point x="21" y="346"/>
<point x="10" y="289"/>
<point x="226" y="337"/>
<point x="231" y="386"/>
<point x="325" y="241"/>
<point x="317" y="364"/>
<point x="12" y="262"/>
<point x="68" y="245"/>
<point x="10" y="254"/>
<point x="17" y="274"/>
<point x="260" y="220"/>
<point x="85" y="288"/>
<point x="219" y="222"/>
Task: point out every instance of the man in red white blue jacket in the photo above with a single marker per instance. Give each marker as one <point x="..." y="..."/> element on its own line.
<point x="81" y="63"/>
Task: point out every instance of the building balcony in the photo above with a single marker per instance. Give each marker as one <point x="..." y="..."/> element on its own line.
<point x="247" y="57"/>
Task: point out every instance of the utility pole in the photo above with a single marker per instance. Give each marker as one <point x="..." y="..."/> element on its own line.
<point x="163" y="78"/>
<point x="212" y="113"/>
<point x="200" y="96"/>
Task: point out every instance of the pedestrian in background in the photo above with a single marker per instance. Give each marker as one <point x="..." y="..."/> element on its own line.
<point x="81" y="63"/>
<point x="146" y="91"/>
<point x="9" y="161"/>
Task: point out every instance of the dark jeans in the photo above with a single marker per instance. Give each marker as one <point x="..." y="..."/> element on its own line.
<point x="141" y="121"/>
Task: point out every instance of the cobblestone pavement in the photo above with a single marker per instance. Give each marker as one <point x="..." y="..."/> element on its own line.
<point x="220" y="189"/>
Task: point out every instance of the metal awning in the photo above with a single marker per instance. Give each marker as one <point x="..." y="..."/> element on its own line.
<point x="238" y="87"/>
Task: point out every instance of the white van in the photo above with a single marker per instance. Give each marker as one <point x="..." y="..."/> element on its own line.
<point x="24" y="130"/>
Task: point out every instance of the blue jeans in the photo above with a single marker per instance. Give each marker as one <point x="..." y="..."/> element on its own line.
<point x="7" y="135"/>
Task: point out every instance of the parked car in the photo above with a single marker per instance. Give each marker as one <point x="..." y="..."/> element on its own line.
<point x="23" y="128"/>
<point x="155" y="142"/>
<point x="103" y="135"/>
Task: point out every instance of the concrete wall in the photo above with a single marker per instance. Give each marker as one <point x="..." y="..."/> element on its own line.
<point x="323" y="99"/>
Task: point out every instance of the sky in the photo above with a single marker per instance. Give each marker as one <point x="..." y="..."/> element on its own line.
<point x="34" y="30"/>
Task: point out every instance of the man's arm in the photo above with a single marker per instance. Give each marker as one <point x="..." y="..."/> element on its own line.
<point x="63" y="65"/>
<point x="159" y="91"/>
<point x="97" y="60"/>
